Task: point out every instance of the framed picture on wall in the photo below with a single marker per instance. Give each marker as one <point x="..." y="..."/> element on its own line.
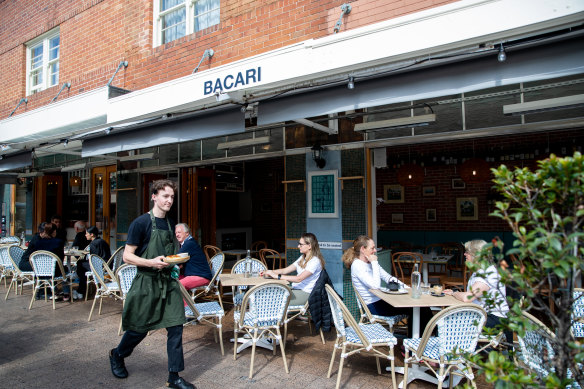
<point x="457" y="183"/>
<point x="397" y="218"/>
<point x="393" y="194"/>
<point x="467" y="208"/>
<point x="323" y="194"/>
<point x="431" y="214"/>
<point x="428" y="191"/>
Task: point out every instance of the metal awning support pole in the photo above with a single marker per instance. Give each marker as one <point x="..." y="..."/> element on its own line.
<point x="23" y="100"/>
<point x="124" y="64"/>
<point x="207" y="54"/>
<point x="67" y="84"/>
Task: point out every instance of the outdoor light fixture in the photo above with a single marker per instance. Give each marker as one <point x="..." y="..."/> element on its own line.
<point x="351" y="84"/>
<point x="70" y="168"/>
<point x="108" y="130"/>
<point x="502" y="56"/>
<point x="262" y="140"/>
<point x="566" y="102"/>
<point x="23" y="100"/>
<point x="75" y="181"/>
<point x="410" y="121"/>
<point x="122" y="63"/>
<point x="65" y="85"/>
<point x="222" y="96"/>
<point x="318" y="155"/>
<point x="207" y="54"/>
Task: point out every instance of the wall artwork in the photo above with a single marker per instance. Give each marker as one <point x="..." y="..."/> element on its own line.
<point x="397" y="218"/>
<point x="393" y="194"/>
<point x="458" y="183"/>
<point x="322" y="194"/>
<point x="467" y="208"/>
<point x="431" y="214"/>
<point x="428" y="191"/>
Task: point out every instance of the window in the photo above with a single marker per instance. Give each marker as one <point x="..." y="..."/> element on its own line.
<point x="43" y="62"/>
<point x="177" y="18"/>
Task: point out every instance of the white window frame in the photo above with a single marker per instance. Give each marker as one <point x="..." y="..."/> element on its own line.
<point x="46" y="63"/>
<point x="189" y="6"/>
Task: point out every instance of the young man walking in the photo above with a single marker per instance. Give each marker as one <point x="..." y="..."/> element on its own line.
<point x="154" y="300"/>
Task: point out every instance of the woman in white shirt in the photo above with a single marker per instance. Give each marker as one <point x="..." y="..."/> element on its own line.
<point x="307" y="267"/>
<point x="367" y="274"/>
<point x="489" y="282"/>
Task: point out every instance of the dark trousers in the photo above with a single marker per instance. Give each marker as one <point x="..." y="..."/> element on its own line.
<point x="382" y="308"/>
<point x="82" y="268"/>
<point x="493" y="321"/>
<point x="174" y="348"/>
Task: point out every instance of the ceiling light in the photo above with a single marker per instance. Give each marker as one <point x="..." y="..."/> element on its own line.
<point x="565" y="102"/>
<point x="262" y="140"/>
<point x="70" y="168"/>
<point x="502" y="56"/>
<point x="351" y="84"/>
<point x="410" y="121"/>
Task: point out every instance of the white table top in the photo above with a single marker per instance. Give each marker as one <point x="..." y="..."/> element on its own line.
<point x="239" y="280"/>
<point x="406" y="300"/>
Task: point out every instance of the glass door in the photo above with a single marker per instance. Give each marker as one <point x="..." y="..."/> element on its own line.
<point x="103" y="209"/>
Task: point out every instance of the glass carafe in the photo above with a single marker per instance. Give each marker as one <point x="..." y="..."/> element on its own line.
<point x="416" y="283"/>
<point x="247" y="265"/>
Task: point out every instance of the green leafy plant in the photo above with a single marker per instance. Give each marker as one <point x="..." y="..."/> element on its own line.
<point x="545" y="211"/>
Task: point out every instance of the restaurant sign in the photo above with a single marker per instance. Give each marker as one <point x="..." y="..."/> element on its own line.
<point x="331" y="245"/>
<point x="233" y="81"/>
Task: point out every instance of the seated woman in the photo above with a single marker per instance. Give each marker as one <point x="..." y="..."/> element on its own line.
<point x="367" y="274"/>
<point x="307" y="267"/>
<point x="482" y="282"/>
<point x="97" y="246"/>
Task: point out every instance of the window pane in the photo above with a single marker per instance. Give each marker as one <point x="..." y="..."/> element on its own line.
<point x="173" y="25"/>
<point x="36" y="54"/>
<point x="54" y="48"/>
<point x="168" y="4"/>
<point x="54" y="73"/>
<point x="36" y="78"/>
<point x="206" y="14"/>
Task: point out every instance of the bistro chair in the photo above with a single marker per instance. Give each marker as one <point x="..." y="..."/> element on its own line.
<point x="14" y="254"/>
<point x="459" y="327"/>
<point x="277" y="258"/>
<point x="578" y="313"/>
<point x="437" y="270"/>
<point x="295" y="311"/>
<point x="117" y="259"/>
<point x="125" y="276"/>
<point x="213" y="288"/>
<point x="209" y="313"/>
<point x="11" y="240"/>
<point x="352" y="338"/>
<point x="403" y="264"/>
<point x="105" y="288"/>
<point x="257" y="246"/>
<point x="44" y="264"/>
<point x="368" y="317"/>
<point x="5" y="265"/>
<point x="210" y="251"/>
<point x="262" y="313"/>
<point x="239" y="267"/>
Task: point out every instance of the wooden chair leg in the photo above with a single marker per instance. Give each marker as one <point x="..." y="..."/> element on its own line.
<point x="332" y="360"/>
<point x="253" y="349"/>
<point x="342" y="361"/>
<point x="283" y="352"/>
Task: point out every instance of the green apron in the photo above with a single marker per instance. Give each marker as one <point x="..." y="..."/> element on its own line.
<point x="154" y="300"/>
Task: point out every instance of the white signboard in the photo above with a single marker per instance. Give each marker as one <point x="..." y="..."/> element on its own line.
<point x="331" y="245"/>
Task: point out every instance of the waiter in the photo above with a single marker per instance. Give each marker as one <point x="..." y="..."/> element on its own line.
<point x="154" y="300"/>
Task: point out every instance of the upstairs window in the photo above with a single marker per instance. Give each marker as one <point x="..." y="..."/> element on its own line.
<point x="177" y="18"/>
<point x="42" y="64"/>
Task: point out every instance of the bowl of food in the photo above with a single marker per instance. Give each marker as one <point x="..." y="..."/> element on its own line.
<point x="176" y="258"/>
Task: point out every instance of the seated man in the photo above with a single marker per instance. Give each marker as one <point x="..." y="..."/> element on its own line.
<point x="80" y="240"/>
<point x="196" y="271"/>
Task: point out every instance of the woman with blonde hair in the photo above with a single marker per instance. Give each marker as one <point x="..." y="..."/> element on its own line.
<point x="484" y="286"/>
<point x="307" y="267"/>
<point x="366" y="274"/>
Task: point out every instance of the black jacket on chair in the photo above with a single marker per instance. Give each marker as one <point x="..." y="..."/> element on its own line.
<point x="318" y="304"/>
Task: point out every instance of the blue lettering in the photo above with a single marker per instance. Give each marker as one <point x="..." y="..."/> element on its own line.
<point x="207" y="87"/>
<point x="250" y="73"/>
<point x="259" y="73"/>
<point x="239" y="80"/>
<point x="218" y="86"/>
<point x="226" y="80"/>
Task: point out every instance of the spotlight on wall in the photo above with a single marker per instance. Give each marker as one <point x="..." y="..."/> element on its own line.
<point x="502" y="56"/>
<point x="108" y="130"/>
<point x="351" y="84"/>
<point x="318" y="155"/>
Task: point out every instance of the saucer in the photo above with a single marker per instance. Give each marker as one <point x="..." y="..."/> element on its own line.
<point x="437" y="295"/>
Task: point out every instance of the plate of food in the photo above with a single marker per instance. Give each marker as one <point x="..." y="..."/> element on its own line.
<point x="399" y="291"/>
<point x="177" y="258"/>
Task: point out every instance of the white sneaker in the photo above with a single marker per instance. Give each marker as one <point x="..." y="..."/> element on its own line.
<point x="77" y="295"/>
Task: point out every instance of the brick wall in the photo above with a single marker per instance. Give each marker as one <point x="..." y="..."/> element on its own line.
<point x="96" y="35"/>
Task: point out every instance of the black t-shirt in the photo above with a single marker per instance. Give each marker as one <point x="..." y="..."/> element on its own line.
<point x="140" y="229"/>
<point x="100" y="247"/>
<point x="80" y="241"/>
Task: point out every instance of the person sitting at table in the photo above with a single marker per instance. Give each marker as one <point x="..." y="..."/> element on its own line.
<point x="484" y="286"/>
<point x="97" y="246"/>
<point x="80" y="241"/>
<point x="196" y="271"/>
<point x="367" y="274"/>
<point x="307" y="267"/>
<point x="24" y="263"/>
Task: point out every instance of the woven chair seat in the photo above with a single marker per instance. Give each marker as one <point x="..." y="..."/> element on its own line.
<point x="391" y="320"/>
<point x="253" y="321"/>
<point x="432" y="349"/>
<point x="295" y="308"/>
<point x="375" y="333"/>
<point x="211" y="308"/>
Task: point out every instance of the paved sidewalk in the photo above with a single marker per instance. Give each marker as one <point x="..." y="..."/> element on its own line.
<point x="42" y="348"/>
